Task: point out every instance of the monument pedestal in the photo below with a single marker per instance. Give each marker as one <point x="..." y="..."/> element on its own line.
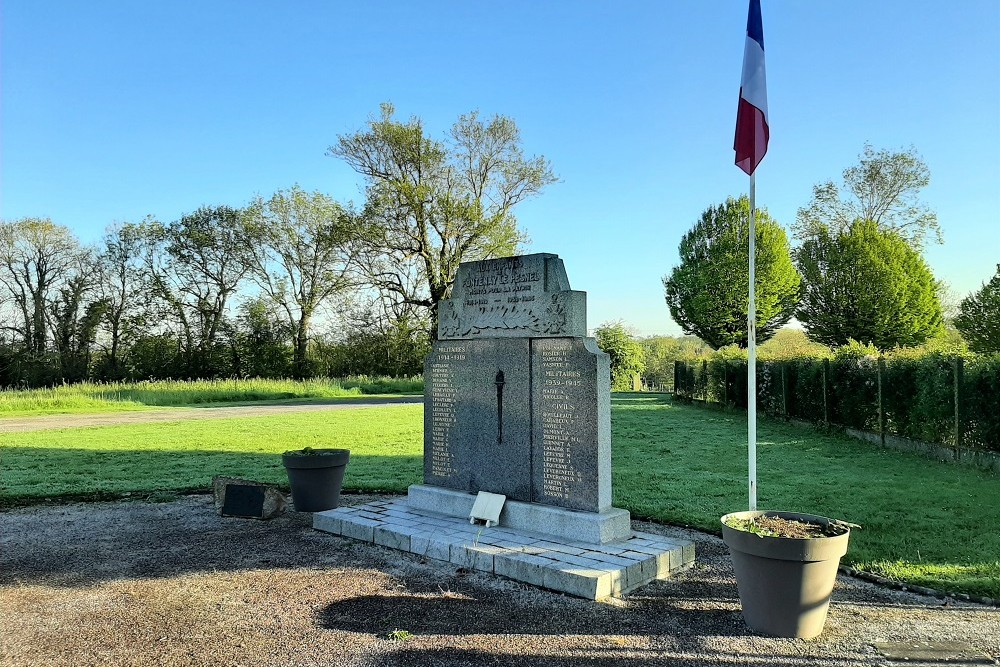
<point x="590" y="570"/>
<point x="611" y="525"/>
<point x="517" y="402"/>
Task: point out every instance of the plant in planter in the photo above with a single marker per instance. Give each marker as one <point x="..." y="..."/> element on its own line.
<point x="786" y="564"/>
<point x="316" y="476"/>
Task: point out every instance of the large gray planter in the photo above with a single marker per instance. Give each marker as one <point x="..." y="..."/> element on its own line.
<point x="785" y="583"/>
<point x="316" y="478"/>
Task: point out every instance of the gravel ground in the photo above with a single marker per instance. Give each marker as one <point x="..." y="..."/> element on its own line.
<point x="140" y="583"/>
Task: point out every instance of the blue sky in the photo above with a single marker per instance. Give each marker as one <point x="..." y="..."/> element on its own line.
<point x="115" y="110"/>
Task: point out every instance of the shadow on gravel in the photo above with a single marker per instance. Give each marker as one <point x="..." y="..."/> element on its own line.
<point x="454" y="657"/>
<point x="675" y="608"/>
<point x="633" y="658"/>
<point x="84" y="544"/>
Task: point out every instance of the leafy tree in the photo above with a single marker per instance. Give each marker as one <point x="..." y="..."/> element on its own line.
<point x="300" y="249"/>
<point x="707" y="291"/>
<point x="791" y="344"/>
<point x="979" y="317"/>
<point x="431" y="205"/>
<point x="627" y="355"/>
<point x="37" y="257"/>
<point x="660" y="353"/>
<point x="260" y="342"/>
<point x="195" y="266"/>
<point x="867" y="285"/>
<point x="124" y="289"/>
<point x="883" y="188"/>
<point x="75" y="317"/>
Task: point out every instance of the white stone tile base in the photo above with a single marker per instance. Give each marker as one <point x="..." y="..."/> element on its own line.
<point x="592" y="571"/>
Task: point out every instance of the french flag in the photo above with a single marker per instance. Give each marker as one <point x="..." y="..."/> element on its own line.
<point x="751" y="118"/>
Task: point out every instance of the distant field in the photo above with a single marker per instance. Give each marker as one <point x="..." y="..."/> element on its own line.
<point x="924" y="522"/>
<point x="123" y="396"/>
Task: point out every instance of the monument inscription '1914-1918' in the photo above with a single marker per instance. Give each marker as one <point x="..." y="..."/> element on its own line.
<point x="516" y="397"/>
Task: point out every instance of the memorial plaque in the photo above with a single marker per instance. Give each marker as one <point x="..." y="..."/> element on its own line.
<point x="571" y="411"/>
<point x="477" y="426"/>
<point x="513" y="297"/>
<point x="244" y="500"/>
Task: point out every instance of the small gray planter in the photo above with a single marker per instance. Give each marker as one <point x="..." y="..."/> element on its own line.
<point x="785" y="583"/>
<point x="316" y="478"/>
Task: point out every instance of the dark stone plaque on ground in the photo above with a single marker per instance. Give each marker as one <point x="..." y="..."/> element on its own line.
<point x="244" y="500"/>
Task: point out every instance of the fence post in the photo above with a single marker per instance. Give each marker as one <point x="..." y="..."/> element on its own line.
<point x="826" y="407"/>
<point x="784" y="389"/>
<point x="958" y="377"/>
<point x="881" y="407"/>
<point x="725" y="382"/>
<point x="704" y="378"/>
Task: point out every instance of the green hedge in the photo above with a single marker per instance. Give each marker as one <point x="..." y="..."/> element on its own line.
<point x="918" y="397"/>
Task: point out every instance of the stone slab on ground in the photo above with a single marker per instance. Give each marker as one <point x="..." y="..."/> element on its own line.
<point x="591" y="571"/>
<point x="937" y="652"/>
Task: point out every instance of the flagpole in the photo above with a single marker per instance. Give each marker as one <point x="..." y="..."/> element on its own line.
<point x="752" y="357"/>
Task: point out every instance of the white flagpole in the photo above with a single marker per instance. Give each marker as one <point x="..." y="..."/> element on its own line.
<point x="752" y="358"/>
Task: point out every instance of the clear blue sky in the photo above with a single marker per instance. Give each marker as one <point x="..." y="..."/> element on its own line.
<point x="113" y="110"/>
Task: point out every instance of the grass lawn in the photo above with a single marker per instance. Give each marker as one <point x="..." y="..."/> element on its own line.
<point x="89" y="397"/>
<point x="923" y="522"/>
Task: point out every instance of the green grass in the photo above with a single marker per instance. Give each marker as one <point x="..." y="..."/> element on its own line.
<point x="88" y="397"/>
<point x="183" y="456"/>
<point x="924" y="522"/>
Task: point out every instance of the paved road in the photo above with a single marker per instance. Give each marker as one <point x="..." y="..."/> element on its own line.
<point x="47" y="422"/>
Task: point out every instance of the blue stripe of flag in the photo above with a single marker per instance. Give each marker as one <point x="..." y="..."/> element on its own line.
<point x="755" y="27"/>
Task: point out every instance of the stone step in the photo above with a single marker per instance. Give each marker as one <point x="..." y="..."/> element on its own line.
<point x="581" y="569"/>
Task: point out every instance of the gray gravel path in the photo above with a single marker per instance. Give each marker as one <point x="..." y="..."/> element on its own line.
<point x="47" y="422"/>
<point x="137" y="583"/>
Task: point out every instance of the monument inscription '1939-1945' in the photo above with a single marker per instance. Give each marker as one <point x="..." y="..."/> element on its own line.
<point x="516" y="397"/>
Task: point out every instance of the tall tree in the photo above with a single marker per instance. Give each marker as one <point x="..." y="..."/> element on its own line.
<point x="36" y="260"/>
<point x="124" y="289"/>
<point x="883" y="187"/>
<point x="75" y="316"/>
<point x="431" y="205"/>
<point x="196" y="265"/>
<point x="301" y="250"/>
<point x="868" y="285"/>
<point x="978" y="317"/>
<point x="707" y="291"/>
<point x="628" y="358"/>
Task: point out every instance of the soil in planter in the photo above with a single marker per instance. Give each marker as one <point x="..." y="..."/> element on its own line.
<point x="774" y="526"/>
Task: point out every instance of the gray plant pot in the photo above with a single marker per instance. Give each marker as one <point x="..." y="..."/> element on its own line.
<point x="316" y="478"/>
<point x="785" y="583"/>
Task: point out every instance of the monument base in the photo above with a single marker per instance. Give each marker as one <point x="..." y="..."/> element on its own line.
<point x="612" y="525"/>
<point x="584" y="569"/>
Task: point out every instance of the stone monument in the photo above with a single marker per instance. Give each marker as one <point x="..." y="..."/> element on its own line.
<point x="517" y="403"/>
